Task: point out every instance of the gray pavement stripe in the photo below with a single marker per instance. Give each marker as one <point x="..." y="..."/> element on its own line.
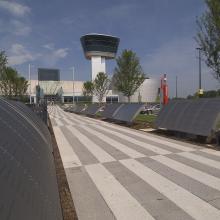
<point x="195" y="187"/>
<point x="191" y="204"/>
<point x="201" y="159"/>
<point x="172" y="144"/>
<point x="211" y="151"/>
<point x="82" y="152"/>
<point x="119" y="200"/>
<point x="59" y="122"/>
<point x="193" y="173"/>
<point x="207" y="155"/>
<point x="88" y="201"/>
<point x="79" y="119"/>
<point x="117" y="154"/>
<point x="101" y="155"/>
<point x="123" y="148"/>
<point x="135" y="141"/>
<point x="126" y="143"/>
<point x="183" y="146"/>
<point x="202" y="167"/>
<point x="159" y="206"/>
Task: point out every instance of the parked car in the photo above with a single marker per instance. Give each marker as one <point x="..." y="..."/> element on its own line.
<point x="150" y="109"/>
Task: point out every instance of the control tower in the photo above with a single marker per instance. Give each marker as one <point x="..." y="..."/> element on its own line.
<point x="98" y="48"/>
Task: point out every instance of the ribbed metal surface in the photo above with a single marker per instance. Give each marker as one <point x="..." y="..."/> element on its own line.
<point x="198" y="117"/>
<point x="28" y="185"/>
<point x="92" y="109"/>
<point x="128" y="112"/>
<point x="110" y="110"/>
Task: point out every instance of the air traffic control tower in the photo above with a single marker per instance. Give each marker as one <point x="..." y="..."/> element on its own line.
<point x="98" y="48"/>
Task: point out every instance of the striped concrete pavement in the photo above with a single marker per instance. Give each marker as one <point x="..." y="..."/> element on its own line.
<point x="116" y="172"/>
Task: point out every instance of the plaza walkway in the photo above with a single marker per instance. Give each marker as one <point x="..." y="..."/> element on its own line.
<point x="120" y="173"/>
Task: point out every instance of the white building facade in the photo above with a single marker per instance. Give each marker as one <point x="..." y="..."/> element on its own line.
<point x="148" y="91"/>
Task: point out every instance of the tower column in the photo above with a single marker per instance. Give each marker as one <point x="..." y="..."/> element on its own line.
<point x="98" y="65"/>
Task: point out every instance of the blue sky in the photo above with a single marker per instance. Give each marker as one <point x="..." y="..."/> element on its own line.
<point x="46" y="33"/>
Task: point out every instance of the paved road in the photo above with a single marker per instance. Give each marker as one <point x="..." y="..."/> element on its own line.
<point x="119" y="173"/>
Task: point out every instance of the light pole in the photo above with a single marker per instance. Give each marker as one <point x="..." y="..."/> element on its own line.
<point x="200" y="71"/>
<point x="29" y="74"/>
<point x="176" y="87"/>
<point x="73" y="84"/>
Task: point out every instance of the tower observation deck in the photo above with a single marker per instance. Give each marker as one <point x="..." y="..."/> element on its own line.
<point x="98" y="48"/>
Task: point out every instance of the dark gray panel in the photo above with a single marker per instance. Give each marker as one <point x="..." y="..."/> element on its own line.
<point x="128" y="112"/>
<point x="110" y="110"/>
<point x="48" y="74"/>
<point x="28" y="185"/>
<point x="79" y="108"/>
<point x="199" y="117"/>
<point x="92" y="109"/>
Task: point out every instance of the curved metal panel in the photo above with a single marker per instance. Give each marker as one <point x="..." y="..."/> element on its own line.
<point x="28" y="185"/>
<point x="128" y="112"/>
<point x="110" y="110"/>
<point x="92" y="109"/>
<point x="198" y="117"/>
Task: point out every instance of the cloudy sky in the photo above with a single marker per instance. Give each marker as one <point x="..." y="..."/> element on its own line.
<point x="46" y="33"/>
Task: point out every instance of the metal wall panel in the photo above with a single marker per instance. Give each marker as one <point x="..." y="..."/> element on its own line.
<point x="28" y="184"/>
<point x="198" y="117"/>
<point x="110" y="110"/>
<point x="128" y="112"/>
<point x="92" y="109"/>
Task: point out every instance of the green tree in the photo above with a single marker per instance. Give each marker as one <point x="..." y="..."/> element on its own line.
<point x="88" y="88"/>
<point x="208" y="36"/>
<point x="20" y="87"/>
<point x="11" y="84"/>
<point x="101" y="86"/>
<point x="128" y="74"/>
<point x="3" y="62"/>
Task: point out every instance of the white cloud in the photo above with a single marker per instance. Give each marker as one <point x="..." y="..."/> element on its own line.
<point x="49" y="46"/>
<point x="61" y="53"/>
<point x="14" y="8"/>
<point x="19" y="55"/>
<point x="178" y="58"/>
<point x="54" y="56"/>
<point x="15" y="27"/>
<point x="19" y="28"/>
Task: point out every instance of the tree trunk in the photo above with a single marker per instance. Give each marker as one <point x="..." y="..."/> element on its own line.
<point x="129" y="99"/>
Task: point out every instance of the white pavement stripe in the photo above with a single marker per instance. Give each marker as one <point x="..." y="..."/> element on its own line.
<point x="68" y="122"/>
<point x="86" y="119"/>
<point x="148" y="137"/>
<point x="145" y="136"/>
<point x="121" y="147"/>
<point x="69" y="157"/>
<point x="59" y="123"/>
<point x="195" y="174"/>
<point x="79" y="120"/>
<point x="134" y="141"/>
<point x="200" y="159"/>
<point x="191" y="204"/>
<point x="122" y="204"/>
<point x="101" y="155"/>
<point x="211" y="151"/>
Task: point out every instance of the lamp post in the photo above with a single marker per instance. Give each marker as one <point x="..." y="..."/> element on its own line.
<point x="200" y="71"/>
<point x="29" y="74"/>
<point x="176" y="87"/>
<point x="73" y="84"/>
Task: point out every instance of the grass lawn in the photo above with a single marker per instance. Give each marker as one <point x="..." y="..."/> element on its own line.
<point x="145" y="118"/>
